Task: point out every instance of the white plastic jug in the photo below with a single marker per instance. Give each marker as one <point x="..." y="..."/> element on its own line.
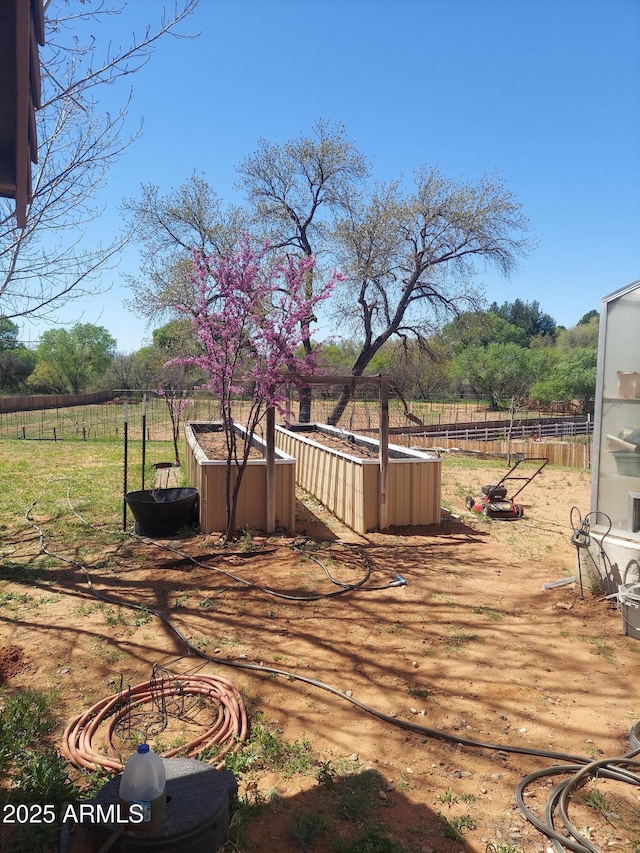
<point x="143" y="786"/>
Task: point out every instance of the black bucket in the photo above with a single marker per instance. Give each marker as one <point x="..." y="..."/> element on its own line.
<point x="163" y="512"/>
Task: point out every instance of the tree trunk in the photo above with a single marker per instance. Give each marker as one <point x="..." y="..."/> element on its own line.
<point x="232" y="505"/>
<point x="342" y="403"/>
<point x="348" y="391"/>
<point x="233" y="492"/>
<point x="304" y="410"/>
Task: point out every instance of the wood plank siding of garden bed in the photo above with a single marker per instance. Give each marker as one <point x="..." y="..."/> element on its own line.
<point x="209" y="477"/>
<point x="349" y="485"/>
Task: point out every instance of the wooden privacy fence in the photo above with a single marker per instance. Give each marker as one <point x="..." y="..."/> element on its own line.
<point x="52" y="401"/>
<point x="569" y="454"/>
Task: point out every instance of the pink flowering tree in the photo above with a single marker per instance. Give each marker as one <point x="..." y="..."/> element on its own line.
<point x="249" y="314"/>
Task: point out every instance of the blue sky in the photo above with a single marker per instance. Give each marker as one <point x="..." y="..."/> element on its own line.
<point x="545" y="92"/>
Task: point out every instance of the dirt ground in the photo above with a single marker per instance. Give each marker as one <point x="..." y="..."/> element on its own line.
<point x="471" y="646"/>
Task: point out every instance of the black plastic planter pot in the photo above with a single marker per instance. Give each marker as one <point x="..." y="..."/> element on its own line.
<point x="163" y="512"/>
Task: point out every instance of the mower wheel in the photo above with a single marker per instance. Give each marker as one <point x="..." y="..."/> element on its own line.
<point x="469" y="502"/>
<point x="519" y="510"/>
<point x="485" y="510"/>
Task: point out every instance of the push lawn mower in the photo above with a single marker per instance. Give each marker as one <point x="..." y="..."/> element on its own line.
<point x="493" y="501"/>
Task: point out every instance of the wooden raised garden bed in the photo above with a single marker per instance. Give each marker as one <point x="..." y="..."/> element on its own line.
<point x="342" y="470"/>
<point x="206" y="469"/>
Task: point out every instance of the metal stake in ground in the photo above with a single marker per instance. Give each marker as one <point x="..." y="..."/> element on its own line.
<point x="144" y="443"/>
<point x="126" y="449"/>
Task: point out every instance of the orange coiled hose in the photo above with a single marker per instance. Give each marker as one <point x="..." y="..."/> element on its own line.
<point x="98" y="723"/>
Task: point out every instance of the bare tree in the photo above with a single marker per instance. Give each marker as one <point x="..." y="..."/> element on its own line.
<point x="45" y="264"/>
<point x="420" y="369"/>
<point x="410" y="258"/>
<point x="168" y="227"/>
<point x="295" y="190"/>
<point x="125" y="372"/>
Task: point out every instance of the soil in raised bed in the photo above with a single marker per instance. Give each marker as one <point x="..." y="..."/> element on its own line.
<point x="343" y="444"/>
<point x="215" y="447"/>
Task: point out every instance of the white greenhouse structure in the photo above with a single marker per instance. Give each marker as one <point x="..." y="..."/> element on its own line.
<point x="615" y="495"/>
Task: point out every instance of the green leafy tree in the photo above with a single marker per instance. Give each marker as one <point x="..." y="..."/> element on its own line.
<point x="16" y="361"/>
<point x="573" y="378"/>
<point x="582" y="336"/>
<point x="588" y="317"/>
<point x="71" y="361"/>
<point x="410" y="257"/>
<point x="175" y="338"/>
<point x="336" y="356"/>
<point x="480" y="328"/>
<point x="499" y="372"/>
<point x="16" y="365"/>
<point x="527" y="316"/>
<point x="421" y="371"/>
<point x="9" y="332"/>
<point x="167" y="228"/>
